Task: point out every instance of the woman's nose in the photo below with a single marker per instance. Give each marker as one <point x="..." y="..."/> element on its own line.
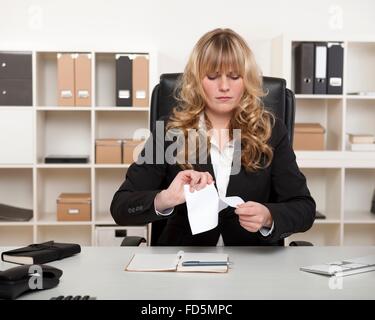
<point x="223" y="83"/>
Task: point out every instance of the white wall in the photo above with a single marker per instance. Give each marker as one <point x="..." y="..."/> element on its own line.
<point x="171" y="26"/>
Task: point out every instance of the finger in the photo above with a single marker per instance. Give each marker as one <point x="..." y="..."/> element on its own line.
<point x="248" y="204"/>
<point x="202" y="182"/>
<point x="246" y="211"/>
<point x="210" y="179"/>
<point x="251" y="219"/>
<point x="194" y="179"/>
<point x="252" y="227"/>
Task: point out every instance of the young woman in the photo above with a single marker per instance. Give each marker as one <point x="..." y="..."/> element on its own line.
<point x="220" y="93"/>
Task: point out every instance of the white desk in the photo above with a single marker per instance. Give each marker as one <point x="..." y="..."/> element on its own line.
<point x="257" y="273"/>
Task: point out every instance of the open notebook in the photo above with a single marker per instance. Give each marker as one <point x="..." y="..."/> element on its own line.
<point x="196" y="262"/>
<point x="344" y="267"/>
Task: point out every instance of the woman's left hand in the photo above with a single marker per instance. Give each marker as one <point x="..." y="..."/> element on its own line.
<point x="253" y="216"/>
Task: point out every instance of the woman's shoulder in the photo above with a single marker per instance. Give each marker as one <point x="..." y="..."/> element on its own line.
<point x="279" y="131"/>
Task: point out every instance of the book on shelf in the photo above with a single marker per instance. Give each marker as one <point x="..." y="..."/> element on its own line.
<point x="12" y="213"/>
<point x="180" y="262"/>
<point x="362" y="93"/>
<point x="41" y="253"/>
<point x="362" y="147"/>
<point x="361" y="138"/>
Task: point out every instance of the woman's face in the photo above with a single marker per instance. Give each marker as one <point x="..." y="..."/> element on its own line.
<point x="223" y="92"/>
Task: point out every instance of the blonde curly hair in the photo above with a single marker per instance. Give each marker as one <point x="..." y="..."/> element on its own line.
<point x="223" y="50"/>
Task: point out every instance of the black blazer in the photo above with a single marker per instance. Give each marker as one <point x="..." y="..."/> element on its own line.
<point x="281" y="187"/>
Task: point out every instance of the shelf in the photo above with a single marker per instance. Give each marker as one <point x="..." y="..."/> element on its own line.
<point x="319" y="235"/>
<point x="16" y="187"/>
<point x="50" y="220"/>
<point x="49" y="129"/>
<point x="112" y="166"/>
<point x="360" y="66"/>
<point x="359" y="234"/>
<point x="325" y="112"/>
<point x="105" y="222"/>
<point x="17" y="223"/>
<point x="121" y="125"/>
<point x="335" y="159"/>
<point x="107" y="183"/>
<point x="51" y="182"/>
<point x="324" y="186"/>
<point x="15" y="235"/>
<point x="354" y="97"/>
<point x="359" y="190"/>
<point x="63" y="166"/>
<point x="63" y="108"/>
<point x="61" y="233"/>
<point x="327" y="221"/>
<point x="17" y="136"/>
<point x="360" y="118"/>
<point x="123" y="109"/>
<point x="319" y="96"/>
<point x="359" y="217"/>
<point x="55" y="138"/>
<point x="16" y="166"/>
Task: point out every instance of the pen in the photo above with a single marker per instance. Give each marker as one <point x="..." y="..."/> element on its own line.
<point x="193" y="263"/>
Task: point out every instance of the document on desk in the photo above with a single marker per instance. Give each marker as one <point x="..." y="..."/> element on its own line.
<point x="180" y="262"/>
<point x="204" y="205"/>
<point x="343" y="267"/>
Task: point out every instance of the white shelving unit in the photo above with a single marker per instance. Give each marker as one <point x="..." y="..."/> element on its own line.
<point x="342" y="182"/>
<point x="31" y="133"/>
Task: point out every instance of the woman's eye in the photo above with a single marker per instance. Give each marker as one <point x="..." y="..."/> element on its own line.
<point x="234" y="77"/>
<point x="212" y="76"/>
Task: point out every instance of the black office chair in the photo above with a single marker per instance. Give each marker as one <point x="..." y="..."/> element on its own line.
<point x="279" y="100"/>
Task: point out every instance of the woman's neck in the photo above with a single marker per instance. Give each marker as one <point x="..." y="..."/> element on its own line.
<point x="220" y="126"/>
<point x="218" y="121"/>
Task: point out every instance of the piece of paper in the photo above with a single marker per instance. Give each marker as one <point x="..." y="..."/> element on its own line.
<point x="204" y="205"/>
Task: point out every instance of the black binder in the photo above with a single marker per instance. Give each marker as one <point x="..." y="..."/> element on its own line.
<point x="335" y="66"/>
<point x="41" y="253"/>
<point x="320" y="70"/>
<point x="304" y="68"/>
<point x="11" y="213"/>
<point x="124" y="83"/>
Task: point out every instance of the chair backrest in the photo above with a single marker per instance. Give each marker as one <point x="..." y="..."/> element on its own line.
<point x="279" y="100"/>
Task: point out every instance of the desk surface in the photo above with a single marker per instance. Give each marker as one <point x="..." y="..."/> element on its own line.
<point x="257" y="273"/>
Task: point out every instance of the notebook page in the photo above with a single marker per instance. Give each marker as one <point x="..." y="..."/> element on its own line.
<point x="153" y="262"/>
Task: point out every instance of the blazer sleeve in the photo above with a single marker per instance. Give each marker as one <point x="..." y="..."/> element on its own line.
<point x="133" y="203"/>
<point x="292" y="207"/>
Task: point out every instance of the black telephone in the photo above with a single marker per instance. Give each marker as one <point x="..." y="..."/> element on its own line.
<point x="26" y="278"/>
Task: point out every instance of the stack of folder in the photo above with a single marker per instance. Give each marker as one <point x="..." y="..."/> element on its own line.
<point x="74" y="79"/>
<point x="132" y="73"/>
<point x="318" y="67"/>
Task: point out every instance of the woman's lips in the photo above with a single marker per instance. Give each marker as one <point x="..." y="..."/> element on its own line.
<point x="223" y="98"/>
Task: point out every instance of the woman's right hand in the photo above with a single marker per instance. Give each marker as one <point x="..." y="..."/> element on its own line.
<point x="174" y="195"/>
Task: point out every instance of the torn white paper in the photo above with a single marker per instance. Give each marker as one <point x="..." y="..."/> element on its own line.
<point x="203" y="207"/>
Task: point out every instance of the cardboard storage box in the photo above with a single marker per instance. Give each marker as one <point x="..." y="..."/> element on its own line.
<point x="128" y="149"/>
<point x="108" y="150"/>
<point x="308" y="136"/>
<point x="74" y="207"/>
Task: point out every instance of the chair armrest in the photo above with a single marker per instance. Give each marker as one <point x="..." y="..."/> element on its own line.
<point x="132" y="241"/>
<point x="300" y="244"/>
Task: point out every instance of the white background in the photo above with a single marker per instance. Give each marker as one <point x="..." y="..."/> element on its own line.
<point x="172" y="27"/>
